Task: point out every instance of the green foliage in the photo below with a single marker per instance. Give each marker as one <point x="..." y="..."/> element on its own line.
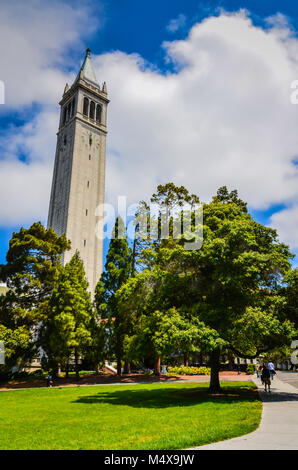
<point x="32" y="267"/>
<point x="229" y="290"/>
<point x="66" y="327"/>
<point x="289" y="291"/>
<point x="250" y="369"/>
<point x="117" y="272"/>
<point x="186" y="370"/>
<point x="226" y="197"/>
<point x="17" y="343"/>
<point x="32" y="260"/>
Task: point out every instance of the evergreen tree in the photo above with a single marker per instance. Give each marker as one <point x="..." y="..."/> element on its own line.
<point x="117" y="272"/>
<point x="31" y="271"/>
<point x="67" y="328"/>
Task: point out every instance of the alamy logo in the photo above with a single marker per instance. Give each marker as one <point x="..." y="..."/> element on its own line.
<point x="2" y="92"/>
<point x="152" y="222"/>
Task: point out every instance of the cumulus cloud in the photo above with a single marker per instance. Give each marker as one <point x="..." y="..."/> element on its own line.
<point x="286" y="224"/>
<point x="36" y="41"/>
<point x="223" y="117"/>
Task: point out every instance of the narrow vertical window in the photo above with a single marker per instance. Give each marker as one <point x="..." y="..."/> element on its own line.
<point x="86" y="107"/>
<point x="86" y="211"/>
<point x="84" y="242"/>
<point x="72" y="107"/>
<point x="92" y="110"/>
<point x="98" y="113"/>
<point x="89" y="157"/>
<point x="64" y="115"/>
<point x="88" y="184"/>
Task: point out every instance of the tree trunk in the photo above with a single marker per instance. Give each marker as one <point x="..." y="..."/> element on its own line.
<point x="231" y="360"/>
<point x="77" y="364"/>
<point x="186" y="361"/>
<point x="119" y="366"/>
<point x="214" y="386"/>
<point x="157" y="367"/>
<point x="126" y="367"/>
<point x="133" y="261"/>
<point x="201" y="358"/>
<point x="66" y="370"/>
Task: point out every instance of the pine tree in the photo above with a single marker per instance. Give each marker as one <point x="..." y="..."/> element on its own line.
<point x="69" y="324"/>
<point x="117" y="271"/>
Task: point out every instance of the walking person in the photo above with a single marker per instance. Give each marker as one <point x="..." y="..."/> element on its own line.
<point x="271" y="369"/>
<point x="49" y="380"/>
<point x="258" y="370"/>
<point x="265" y="377"/>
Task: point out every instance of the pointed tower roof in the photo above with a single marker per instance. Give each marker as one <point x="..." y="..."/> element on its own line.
<point x="86" y="71"/>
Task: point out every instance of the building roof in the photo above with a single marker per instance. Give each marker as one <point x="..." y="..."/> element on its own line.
<point x="87" y="70"/>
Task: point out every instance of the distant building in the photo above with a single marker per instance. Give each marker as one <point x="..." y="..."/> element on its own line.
<point x="3" y="289"/>
<point x="79" y="173"/>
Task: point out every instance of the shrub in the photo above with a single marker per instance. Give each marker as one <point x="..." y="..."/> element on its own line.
<point x="184" y="370"/>
<point x="250" y="369"/>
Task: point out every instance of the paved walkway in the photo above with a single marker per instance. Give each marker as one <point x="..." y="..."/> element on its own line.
<point x="290" y="377"/>
<point x="279" y="426"/>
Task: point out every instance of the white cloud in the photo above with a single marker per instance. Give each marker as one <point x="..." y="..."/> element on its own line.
<point x="223" y="117"/>
<point x="286" y="224"/>
<point x="36" y="39"/>
<point x="176" y="23"/>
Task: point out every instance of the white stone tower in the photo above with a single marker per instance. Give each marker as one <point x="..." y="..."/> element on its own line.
<point x="79" y="173"/>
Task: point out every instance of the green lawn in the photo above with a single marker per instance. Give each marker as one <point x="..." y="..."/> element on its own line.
<point x="155" y="416"/>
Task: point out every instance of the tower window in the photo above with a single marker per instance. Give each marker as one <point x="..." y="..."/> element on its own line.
<point x="89" y="157"/>
<point x="98" y="113"/>
<point x="64" y="115"/>
<point x="92" y="110"/>
<point x="72" y="107"/>
<point x="86" y="211"/>
<point x="84" y="242"/>
<point x="65" y="139"/>
<point x="86" y="107"/>
<point x="88" y="184"/>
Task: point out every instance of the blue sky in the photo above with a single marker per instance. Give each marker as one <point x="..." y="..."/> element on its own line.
<point x="149" y="44"/>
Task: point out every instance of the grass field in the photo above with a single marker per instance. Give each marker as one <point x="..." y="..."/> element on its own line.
<point x="155" y="416"/>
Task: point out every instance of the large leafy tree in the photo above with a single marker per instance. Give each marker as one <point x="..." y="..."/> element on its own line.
<point x="117" y="271"/>
<point x="67" y="326"/>
<point x="230" y="286"/>
<point x="17" y="346"/>
<point x="232" y="282"/>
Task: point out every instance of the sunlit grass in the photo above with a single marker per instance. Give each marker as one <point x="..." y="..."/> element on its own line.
<point x="155" y="416"/>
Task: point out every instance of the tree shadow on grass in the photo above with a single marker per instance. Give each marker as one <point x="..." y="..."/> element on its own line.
<point x="168" y="397"/>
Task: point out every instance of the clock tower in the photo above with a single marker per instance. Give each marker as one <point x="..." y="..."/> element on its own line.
<point x="78" y="183"/>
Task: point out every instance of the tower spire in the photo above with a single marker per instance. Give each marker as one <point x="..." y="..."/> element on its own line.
<point x="86" y="71"/>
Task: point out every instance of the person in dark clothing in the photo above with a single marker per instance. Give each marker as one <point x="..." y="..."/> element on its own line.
<point x="265" y="377"/>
